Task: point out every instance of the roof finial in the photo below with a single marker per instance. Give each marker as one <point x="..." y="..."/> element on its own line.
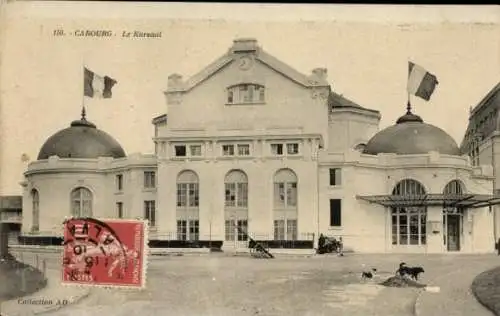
<point x="84" y="114"/>
<point x="408" y="107"/>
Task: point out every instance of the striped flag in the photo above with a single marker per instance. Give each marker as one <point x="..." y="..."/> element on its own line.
<point x="421" y="83"/>
<point x="98" y="86"/>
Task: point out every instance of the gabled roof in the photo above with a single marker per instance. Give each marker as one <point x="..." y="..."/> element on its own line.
<point x="339" y="101"/>
<point x="259" y="55"/>
<point x="486" y="99"/>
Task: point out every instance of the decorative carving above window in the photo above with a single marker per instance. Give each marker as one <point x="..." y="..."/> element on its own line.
<point x="246" y="93"/>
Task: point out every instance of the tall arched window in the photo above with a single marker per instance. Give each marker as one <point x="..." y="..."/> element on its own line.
<point x="236" y="205"/>
<point x="408" y="222"/>
<point x="35" y="208"/>
<point x="187" y="213"/>
<point x="81" y="202"/>
<point x="285" y="205"/>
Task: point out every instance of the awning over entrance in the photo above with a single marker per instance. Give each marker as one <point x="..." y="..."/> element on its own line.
<point x="445" y="200"/>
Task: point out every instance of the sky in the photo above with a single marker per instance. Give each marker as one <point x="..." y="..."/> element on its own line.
<point x="365" y="50"/>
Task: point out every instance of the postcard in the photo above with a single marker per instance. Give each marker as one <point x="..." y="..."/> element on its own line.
<point x="248" y="159"/>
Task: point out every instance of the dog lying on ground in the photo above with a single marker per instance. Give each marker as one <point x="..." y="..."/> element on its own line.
<point x="411" y="272"/>
<point x="368" y="274"/>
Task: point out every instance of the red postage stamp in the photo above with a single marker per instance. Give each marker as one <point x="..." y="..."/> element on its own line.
<point x="111" y="253"/>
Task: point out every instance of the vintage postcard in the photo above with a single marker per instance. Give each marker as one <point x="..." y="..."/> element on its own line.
<point x="249" y="159"/>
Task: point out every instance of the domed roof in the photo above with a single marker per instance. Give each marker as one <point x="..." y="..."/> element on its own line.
<point x="410" y="135"/>
<point x="81" y="140"/>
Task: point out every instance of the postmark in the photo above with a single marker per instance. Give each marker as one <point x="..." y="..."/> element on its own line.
<point x="107" y="253"/>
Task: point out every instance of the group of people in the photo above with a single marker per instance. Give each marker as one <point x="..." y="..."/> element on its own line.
<point x="330" y="245"/>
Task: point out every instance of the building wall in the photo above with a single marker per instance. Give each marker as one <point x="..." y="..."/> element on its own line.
<point x="348" y="128"/>
<point x="287" y="104"/>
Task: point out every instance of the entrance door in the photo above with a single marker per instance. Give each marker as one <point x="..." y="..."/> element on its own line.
<point x="236" y="230"/>
<point x="453" y="232"/>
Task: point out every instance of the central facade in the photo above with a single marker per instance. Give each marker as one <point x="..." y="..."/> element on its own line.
<point x="250" y="145"/>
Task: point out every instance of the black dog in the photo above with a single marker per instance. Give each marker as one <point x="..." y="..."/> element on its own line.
<point x="368" y="274"/>
<point x="412" y="272"/>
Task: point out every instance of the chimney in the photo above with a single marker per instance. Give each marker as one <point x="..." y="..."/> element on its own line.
<point x="174" y="82"/>
<point x="244" y="45"/>
<point x="320" y="73"/>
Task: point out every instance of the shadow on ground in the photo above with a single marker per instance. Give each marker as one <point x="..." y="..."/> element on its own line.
<point x="486" y="289"/>
<point x="18" y="279"/>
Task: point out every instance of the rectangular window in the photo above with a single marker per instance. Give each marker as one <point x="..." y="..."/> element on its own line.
<point x="335" y="176"/>
<point x="279" y="195"/>
<point x="291" y="229"/>
<point x="149" y="179"/>
<point x="181" y="230"/>
<point x="242" y="230"/>
<point x="193" y="195"/>
<point x="228" y="150"/>
<point x="242" y="195"/>
<point x="187" y="195"/>
<point x="230" y="96"/>
<point x="150" y="212"/>
<point x="119" y="182"/>
<point x="180" y="151"/>
<point x="292" y="149"/>
<point x="119" y="209"/>
<point x="261" y="94"/>
<point x="195" y="150"/>
<point x="194" y="230"/>
<point x="277" y="149"/>
<point x="291" y="194"/>
<point x="230" y="230"/>
<point x="230" y="194"/>
<point x="335" y="212"/>
<point x="243" y="150"/>
<point x="279" y="230"/>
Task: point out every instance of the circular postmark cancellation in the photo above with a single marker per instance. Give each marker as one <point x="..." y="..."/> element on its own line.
<point x="110" y="253"/>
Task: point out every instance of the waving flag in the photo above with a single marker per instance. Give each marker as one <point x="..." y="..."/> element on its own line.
<point x="421" y="83"/>
<point x="96" y="86"/>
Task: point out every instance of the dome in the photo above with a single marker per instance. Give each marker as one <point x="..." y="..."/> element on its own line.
<point x="410" y="135"/>
<point x="81" y="140"/>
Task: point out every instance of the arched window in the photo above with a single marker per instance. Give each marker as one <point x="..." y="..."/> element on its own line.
<point x="285" y="205"/>
<point x="409" y="222"/>
<point x="246" y="93"/>
<point x="81" y="202"/>
<point x="454" y="187"/>
<point x="35" y="208"/>
<point x="236" y="206"/>
<point x="236" y="189"/>
<point x="188" y="200"/>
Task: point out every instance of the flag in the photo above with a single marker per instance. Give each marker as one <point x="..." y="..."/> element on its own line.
<point x="421" y="83"/>
<point x="97" y="86"/>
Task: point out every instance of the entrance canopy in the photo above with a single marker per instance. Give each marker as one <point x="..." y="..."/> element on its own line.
<point x="445" y="200"/>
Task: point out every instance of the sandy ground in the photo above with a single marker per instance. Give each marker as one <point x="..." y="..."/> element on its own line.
<point x="233" y="286"/>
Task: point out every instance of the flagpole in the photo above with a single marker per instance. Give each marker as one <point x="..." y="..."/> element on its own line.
<point x="83" y="92"/>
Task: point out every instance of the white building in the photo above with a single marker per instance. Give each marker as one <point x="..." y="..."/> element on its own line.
<point x="249" y="142"/>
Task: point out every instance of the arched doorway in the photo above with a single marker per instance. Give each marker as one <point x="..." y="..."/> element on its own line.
<point x="409" y="222"/>
<point x="453" y="217"/>
<point x="236" y="208"/>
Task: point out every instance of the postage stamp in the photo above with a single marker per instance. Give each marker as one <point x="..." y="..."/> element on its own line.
<point x="109" y="253"/>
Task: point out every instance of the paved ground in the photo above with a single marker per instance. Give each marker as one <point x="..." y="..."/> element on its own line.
<point x="328" y="285"/>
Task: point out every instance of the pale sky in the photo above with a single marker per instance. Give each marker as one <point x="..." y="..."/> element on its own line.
<point x="366" y="55"/>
